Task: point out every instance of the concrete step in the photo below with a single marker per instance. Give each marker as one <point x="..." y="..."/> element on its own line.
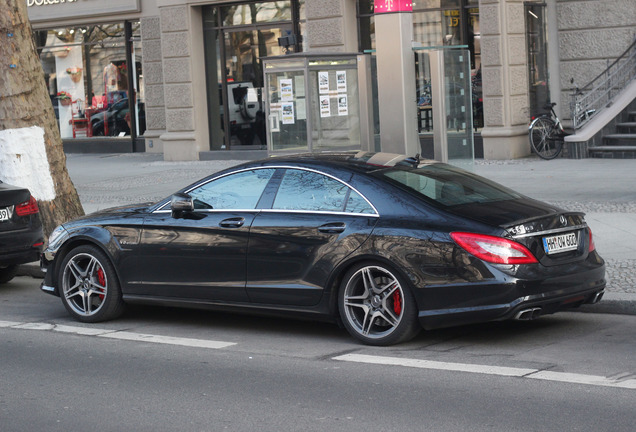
<point x="620" y="139"/>
<point x="612" y="151"/>
<point x="626" y="127"/>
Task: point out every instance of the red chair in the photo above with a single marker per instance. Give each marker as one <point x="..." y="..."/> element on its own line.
<point x="81" y="125"/>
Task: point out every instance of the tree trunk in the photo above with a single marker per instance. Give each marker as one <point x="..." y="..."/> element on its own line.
<point x="25" y="102"/>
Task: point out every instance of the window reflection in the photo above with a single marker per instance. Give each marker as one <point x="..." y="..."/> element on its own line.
<point x="239" y="191"/>
<point x="310" y="191"/>
<point x="87" y="74"/>
<point x="254" y="13"/>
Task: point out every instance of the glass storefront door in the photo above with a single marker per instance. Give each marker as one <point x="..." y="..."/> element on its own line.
<point x="243" y="89"/>
<point x="237" y="37"/>
<point x="536" y="38"/>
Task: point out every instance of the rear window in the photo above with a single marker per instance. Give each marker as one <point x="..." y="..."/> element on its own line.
<point x="449" y="186"/>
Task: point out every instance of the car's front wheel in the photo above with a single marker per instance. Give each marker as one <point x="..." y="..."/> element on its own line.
<point x="89" y="287"/>
<point x="376" y="306"/>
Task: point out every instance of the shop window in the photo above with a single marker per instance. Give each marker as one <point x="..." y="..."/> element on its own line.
<point x="90" y="80"/>
<point x="256" y="13"/>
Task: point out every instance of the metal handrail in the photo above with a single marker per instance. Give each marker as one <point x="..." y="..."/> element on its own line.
<point x="598" y="93"/>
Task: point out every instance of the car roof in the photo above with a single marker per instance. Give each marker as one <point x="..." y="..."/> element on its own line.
<point x="361" y="160"/>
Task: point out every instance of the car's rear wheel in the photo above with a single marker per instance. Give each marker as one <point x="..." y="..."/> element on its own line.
<point x="7" y="273"/>
<point x="376" y="305"/>
<point x="89" y="286"/>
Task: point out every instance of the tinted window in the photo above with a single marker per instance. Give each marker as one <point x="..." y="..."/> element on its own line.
<point x="450" y="186"/>
<point x="239" y="191"/>
<point x="306" y="190"/>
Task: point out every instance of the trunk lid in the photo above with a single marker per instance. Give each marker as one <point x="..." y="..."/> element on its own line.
<point x="553" y="235"/>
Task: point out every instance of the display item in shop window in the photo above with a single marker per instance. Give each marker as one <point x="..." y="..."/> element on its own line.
<point x="99" y="101"/>
<point x="75" y="73"/>
<point x="64" y="98"/>
<point x="111" y="77"/>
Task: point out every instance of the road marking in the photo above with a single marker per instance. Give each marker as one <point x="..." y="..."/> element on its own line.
<point x="491" y="370"/>
<point x="584" y="379"/>
<point x="168" y="340"/>
<point x="116" y="334"/>
<point x="428" y="364"/>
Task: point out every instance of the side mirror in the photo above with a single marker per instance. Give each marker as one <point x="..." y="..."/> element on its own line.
<point x="180" y="204"/>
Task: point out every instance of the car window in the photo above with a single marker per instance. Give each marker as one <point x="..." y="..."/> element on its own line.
<point x="240" y="191"/>
<point x="311" y="191"/>
<point x="450" y="186"/>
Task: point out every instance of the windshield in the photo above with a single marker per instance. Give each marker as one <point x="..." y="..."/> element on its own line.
<point x="449" y="186"/>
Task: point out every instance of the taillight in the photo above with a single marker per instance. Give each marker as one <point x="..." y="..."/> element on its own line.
<point x="27" y="208"/>
<point x="493" y="249"/>
<point x="592" y="246"/>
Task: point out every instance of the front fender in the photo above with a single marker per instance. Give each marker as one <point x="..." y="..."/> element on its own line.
<point x="54" y="254"/>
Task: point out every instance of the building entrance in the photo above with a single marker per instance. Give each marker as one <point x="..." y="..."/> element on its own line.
<point x="237" y="38"/>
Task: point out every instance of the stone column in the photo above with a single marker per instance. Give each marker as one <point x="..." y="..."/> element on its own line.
<point x="396" y="78"/>
<point x="153" y="83"/>
<point x="183" y="66"/>
<point x="505" y="81"/>
<point x="331" y="26"/>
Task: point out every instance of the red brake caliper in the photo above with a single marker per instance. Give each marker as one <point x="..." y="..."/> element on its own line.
<point x="397" y="303"/>
<point x="101" y="278"/>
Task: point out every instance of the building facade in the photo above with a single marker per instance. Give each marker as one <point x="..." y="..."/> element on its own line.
<point x="185" y="77"/>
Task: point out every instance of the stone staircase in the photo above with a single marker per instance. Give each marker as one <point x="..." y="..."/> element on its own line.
<point x="618" y="145"/>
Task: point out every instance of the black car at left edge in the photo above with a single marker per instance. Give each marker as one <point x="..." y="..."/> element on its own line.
<point x="21" y="237"/>
<point x="383" y="243"/>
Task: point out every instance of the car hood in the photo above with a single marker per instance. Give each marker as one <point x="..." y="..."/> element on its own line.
<point x="113" y="212"/>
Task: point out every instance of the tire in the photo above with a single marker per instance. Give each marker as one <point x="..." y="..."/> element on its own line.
<point x="89" y="286"/>
<point x="545" y="139"/>
<point x="376" y="306"/>
<point x="8" y="273"/>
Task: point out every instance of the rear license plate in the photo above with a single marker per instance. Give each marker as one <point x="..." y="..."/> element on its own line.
<point x="5" y="214"/>
<point x="560" y="243"/>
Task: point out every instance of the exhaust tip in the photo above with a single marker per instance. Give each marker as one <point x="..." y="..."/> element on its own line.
<point x="597" y="297"/>
<point x="528" y="314"/>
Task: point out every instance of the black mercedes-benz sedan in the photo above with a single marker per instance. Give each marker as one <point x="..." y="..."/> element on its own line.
<point x="21" y="237"/>
<point x="383" y="243"/>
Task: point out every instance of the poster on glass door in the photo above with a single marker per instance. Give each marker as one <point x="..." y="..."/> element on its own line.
<point x="286" y="89"/>
<point x="288" y="112"/>
<point x="323" y="82"/>
<point x="325" y="106"/>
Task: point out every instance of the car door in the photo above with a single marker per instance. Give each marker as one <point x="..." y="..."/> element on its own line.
<point x="315" y="221"/>
<point x="201" y="254"/>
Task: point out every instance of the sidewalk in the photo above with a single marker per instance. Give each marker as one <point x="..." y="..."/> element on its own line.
<point x="604" y="189"/>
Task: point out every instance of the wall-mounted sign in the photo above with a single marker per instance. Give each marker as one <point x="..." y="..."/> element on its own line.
<point x="47" y="10"/>
<point x="391" y="6"/>
<point x="47" y="2"/>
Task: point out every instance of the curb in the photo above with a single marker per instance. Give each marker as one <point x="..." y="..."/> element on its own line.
<point x="611" y="303"/>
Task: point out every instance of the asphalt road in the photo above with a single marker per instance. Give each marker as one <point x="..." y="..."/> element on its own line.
<point x="161" y="369"/>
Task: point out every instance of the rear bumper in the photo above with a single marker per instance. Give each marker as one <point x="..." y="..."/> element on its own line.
<point x="17" y="247"/>
<point x="514" y="298"/>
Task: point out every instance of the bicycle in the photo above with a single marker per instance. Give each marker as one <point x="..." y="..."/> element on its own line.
<point x="547" y="134"/>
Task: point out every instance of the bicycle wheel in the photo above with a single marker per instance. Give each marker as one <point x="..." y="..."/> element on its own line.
<point x="545" y="138"/>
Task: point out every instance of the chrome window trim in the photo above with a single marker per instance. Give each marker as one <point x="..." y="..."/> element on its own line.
<point x="275" y="167"/>
<point x="322" y="212"/>
<point x="552" y="231"/>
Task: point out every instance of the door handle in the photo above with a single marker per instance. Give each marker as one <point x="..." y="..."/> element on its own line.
<point x="332" y="228"/>
<point x="232" y="222"/>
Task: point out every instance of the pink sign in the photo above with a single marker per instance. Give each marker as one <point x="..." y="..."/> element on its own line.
<point x="389" y="6"/>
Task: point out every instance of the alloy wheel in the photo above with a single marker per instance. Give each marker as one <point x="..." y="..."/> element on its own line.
<point x="373" y="302"/>
<point x="84" y="284"/>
